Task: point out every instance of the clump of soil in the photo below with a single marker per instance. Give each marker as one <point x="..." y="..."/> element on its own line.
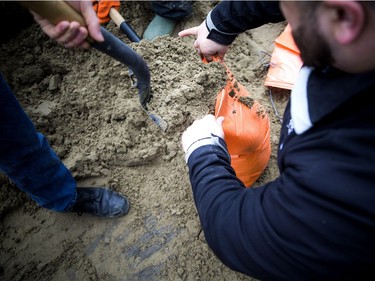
<point x="248" y="101"/>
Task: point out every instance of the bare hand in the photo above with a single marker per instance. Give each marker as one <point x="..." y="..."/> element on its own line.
<point x="206" y="48"/>
<point x="71" y="34"/>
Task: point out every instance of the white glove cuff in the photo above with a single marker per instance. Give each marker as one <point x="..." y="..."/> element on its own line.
<point x="213" y="140"/>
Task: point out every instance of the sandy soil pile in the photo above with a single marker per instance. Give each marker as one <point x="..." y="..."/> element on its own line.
<point x="83" y="101"/>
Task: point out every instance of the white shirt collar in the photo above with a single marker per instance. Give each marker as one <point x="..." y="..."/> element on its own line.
<point x="299" y="102"/>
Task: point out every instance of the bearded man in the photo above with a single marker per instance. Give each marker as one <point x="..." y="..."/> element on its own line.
<point x="316" y="221"/>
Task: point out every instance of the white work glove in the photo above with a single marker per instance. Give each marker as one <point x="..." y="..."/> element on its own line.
<point x="205" y="131"/>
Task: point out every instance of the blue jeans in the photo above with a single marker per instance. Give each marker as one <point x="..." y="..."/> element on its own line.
<point x="28" y="160"/>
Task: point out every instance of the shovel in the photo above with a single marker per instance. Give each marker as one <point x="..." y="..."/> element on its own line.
<point x="133" y="36"/>
<point x="123" y="25"/>
<point x="57" y="11"/>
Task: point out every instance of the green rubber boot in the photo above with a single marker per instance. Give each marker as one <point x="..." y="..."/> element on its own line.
<point x="159" y="26"/>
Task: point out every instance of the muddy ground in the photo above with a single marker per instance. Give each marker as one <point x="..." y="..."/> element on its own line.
<point x="84" y="103"/>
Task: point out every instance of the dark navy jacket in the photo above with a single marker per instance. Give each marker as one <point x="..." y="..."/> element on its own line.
<point x="316" y="221"/>
<point x="231" y="18"/>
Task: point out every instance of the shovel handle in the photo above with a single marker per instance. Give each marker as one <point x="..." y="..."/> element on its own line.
<point x="116" y="16"/>
<point x="55" y="12"/>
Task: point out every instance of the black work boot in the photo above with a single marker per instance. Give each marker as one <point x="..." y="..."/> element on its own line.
<point x="100" y="202"/>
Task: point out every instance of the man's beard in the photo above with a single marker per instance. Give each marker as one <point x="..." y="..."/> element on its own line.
<point x="315" y="51"/>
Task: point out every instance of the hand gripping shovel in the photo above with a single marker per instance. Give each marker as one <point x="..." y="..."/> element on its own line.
<point x="56" y="11"/>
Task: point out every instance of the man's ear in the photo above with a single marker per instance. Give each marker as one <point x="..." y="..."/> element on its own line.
<point x="347" y="19"/>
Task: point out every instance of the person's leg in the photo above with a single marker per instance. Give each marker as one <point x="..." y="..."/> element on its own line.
<point x="167" y="13"/>
<point x="175" y="10"/>
<point x="28" y="160"/>
<point x="31" y="164"/>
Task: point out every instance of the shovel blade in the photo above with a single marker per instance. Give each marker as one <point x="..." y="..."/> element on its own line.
<point x="162" y="124"/>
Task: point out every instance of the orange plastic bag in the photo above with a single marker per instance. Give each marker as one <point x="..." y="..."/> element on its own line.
<point x="247" y="130"/>
<point x="102" y="8"/>
<point x="285" y="62"/>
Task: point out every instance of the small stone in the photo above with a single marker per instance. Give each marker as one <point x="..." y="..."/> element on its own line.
<point x="55" y="82"/>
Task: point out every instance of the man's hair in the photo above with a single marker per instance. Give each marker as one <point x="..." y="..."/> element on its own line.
<point x="371" y="4"/>
<point x="314" y="4"/>
<point x="309" y="7"/>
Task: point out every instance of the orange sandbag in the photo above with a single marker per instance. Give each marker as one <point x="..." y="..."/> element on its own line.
<point x="285" y="62"/>
<point x="247" y="130"/>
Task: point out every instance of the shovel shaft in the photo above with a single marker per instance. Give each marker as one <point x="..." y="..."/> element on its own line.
<point x="129" y="32"/>
<point x="118" y="50"/>
<point x="123" y="25"/>
<point x="55" y="11"/>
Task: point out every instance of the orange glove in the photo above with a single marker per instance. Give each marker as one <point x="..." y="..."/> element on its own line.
<point x="102" y="8"/>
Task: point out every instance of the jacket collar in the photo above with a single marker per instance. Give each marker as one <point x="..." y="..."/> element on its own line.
<point x="318" y="92"/>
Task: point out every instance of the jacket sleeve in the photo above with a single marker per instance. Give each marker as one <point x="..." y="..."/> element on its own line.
<point x="313" y="222"/>
<point x="231" y="216"/>
<point x="230" y="18"/>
